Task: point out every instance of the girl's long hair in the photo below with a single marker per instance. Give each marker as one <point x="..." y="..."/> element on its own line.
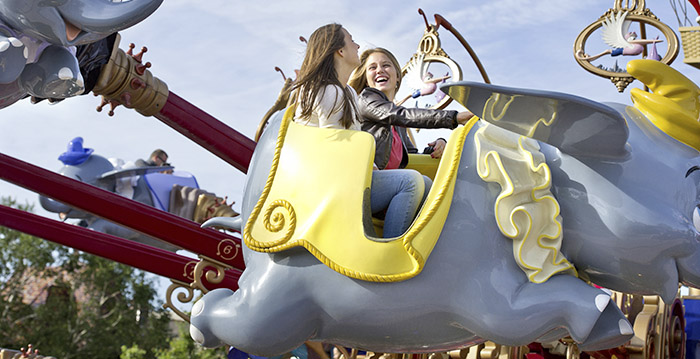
<point x="358" y="79"/>
<point x="318" y="70"/>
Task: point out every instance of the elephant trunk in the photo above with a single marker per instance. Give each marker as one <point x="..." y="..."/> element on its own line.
<point x="107" y="16"/>
<point x="53" y="206"/>
<point x="58" y="207"/>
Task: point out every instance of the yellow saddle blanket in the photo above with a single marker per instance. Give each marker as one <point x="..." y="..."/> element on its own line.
<point x="314" y="198"/>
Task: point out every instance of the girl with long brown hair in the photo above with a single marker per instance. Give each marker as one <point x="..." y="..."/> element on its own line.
<point x="324" y="100"/>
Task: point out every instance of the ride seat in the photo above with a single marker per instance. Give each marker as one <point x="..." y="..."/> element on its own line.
<point x="316" y="196"/>
<point x="426" y="166"/>
<point x="160" y="185"/>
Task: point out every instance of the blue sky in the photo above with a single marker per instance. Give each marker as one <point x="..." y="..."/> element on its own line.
<point x="220" y="55"/>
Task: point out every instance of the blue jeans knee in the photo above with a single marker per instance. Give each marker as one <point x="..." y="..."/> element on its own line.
<point x="400" y="193"/>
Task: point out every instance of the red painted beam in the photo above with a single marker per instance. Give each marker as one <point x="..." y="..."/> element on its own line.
<point x="151" y="259"/>
<point x="210" y="133"/>
<point x="137" y="216"/>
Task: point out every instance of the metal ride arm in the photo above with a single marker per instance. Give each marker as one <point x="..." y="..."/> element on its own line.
<point x="210" y="133"/>
<point x="125" y="80"/>
<point x="154" y="260"/>
<point x="140" y="217"/>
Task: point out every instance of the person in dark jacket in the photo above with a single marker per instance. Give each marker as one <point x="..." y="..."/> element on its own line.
<point x="376" y="80"/>
<point x="157" y="158"/>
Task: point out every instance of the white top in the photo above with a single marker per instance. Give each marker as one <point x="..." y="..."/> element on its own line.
<point x="328" y="109"/>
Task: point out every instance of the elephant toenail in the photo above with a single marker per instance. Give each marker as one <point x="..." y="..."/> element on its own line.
<point x="601" y="301"/>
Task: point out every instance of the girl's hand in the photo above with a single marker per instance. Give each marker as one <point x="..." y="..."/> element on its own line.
<point x="438" y="147"/>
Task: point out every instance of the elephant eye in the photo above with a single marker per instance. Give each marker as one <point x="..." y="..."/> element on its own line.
<point x="696" y="218"/>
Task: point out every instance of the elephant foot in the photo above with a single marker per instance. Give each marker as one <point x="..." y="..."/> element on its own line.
<point x="66" y="84"/>
<point x="611" y="330"/>
<point x="13" y="57"/>
<point x="202" y="315"/>
<point x="55" y="75"/>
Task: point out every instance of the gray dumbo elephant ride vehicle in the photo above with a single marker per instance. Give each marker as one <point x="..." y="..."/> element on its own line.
<point x="535" y="207"/>
<point x="41" y="43"/>
<point x="176" y="192"/>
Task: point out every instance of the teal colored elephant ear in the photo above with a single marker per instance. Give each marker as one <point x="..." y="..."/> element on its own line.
<point x="575" y="125"/>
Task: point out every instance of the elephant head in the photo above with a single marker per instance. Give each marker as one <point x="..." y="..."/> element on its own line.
<point x="74" y="22"/>
<point x="82" y="164"/>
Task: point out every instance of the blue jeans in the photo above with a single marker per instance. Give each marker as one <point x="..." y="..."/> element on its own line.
<point x="400" y="193"/>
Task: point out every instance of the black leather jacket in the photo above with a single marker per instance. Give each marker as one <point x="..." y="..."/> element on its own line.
<point x="378" y="114"/>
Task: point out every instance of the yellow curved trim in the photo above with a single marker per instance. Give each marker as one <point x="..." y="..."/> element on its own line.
<point x="324" y="196"/>
<point x="498" y="105"/>
<point x="525" y="210"/>
<point x="673" y="106"/>
<point x="498" y="102"/>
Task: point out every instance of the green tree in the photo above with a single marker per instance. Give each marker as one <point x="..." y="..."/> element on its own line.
<point x="180" y="347"/>
<point x="92" y="308"/>
<point x="183" y="347"/>
<point x="134" y="352"/>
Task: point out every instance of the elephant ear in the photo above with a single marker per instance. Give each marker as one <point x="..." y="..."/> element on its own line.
<point x="577" y="126"/>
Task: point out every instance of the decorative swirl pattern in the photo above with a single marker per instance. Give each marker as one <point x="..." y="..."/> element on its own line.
<point x="227" y="249"/>
<point x="182" y="297"/>
<point x="188" y="270"/>
<point x="429" y="43"/>
<point x="275" y="223"/>
<point x="213" y="271"/>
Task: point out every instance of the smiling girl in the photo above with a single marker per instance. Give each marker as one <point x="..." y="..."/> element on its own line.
<point x="376" y="80"/>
